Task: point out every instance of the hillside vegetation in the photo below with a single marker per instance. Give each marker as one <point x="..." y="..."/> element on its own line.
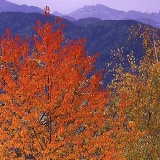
<point x="101" y="36"/>
<point x="53" y="101"/>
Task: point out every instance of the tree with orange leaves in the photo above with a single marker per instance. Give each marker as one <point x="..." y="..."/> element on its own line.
<point x="52" y="101"/>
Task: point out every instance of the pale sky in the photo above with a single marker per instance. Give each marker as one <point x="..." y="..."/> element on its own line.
<point x="67" y="6"/>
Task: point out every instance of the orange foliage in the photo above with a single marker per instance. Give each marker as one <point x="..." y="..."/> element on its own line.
<point x="50" y="108"/>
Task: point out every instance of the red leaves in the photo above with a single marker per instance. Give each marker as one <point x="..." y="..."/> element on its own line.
<point x="53" y="99"/>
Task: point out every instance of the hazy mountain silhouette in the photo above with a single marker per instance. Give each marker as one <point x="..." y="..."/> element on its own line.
<point x="6" y="6"/>
<point x="57" y="14"/>
<point x="105" y="13"/>
<point x="95" y="11"/>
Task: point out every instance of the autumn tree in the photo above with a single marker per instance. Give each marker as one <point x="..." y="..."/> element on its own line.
<point x="52" y="101"/>
<point x="140" y="84"/>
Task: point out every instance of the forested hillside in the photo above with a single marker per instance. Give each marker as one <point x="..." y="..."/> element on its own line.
<point x="53" y="101"/>
<point x="102" y="36"/>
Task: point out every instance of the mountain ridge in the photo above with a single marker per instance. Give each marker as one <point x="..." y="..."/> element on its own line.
<point x="106" y="13"/>
<point x="7" y="6"/>
<point x="99" y="11"/>
<point x="101" y="36"/>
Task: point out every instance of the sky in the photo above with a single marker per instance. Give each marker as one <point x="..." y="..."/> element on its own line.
<point x="67" y="6"/>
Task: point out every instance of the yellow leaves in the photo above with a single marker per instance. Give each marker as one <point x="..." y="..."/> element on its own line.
<point x="38" y="61"/>
<point x="137" y="93"/>
<point x="60" y="138"/>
